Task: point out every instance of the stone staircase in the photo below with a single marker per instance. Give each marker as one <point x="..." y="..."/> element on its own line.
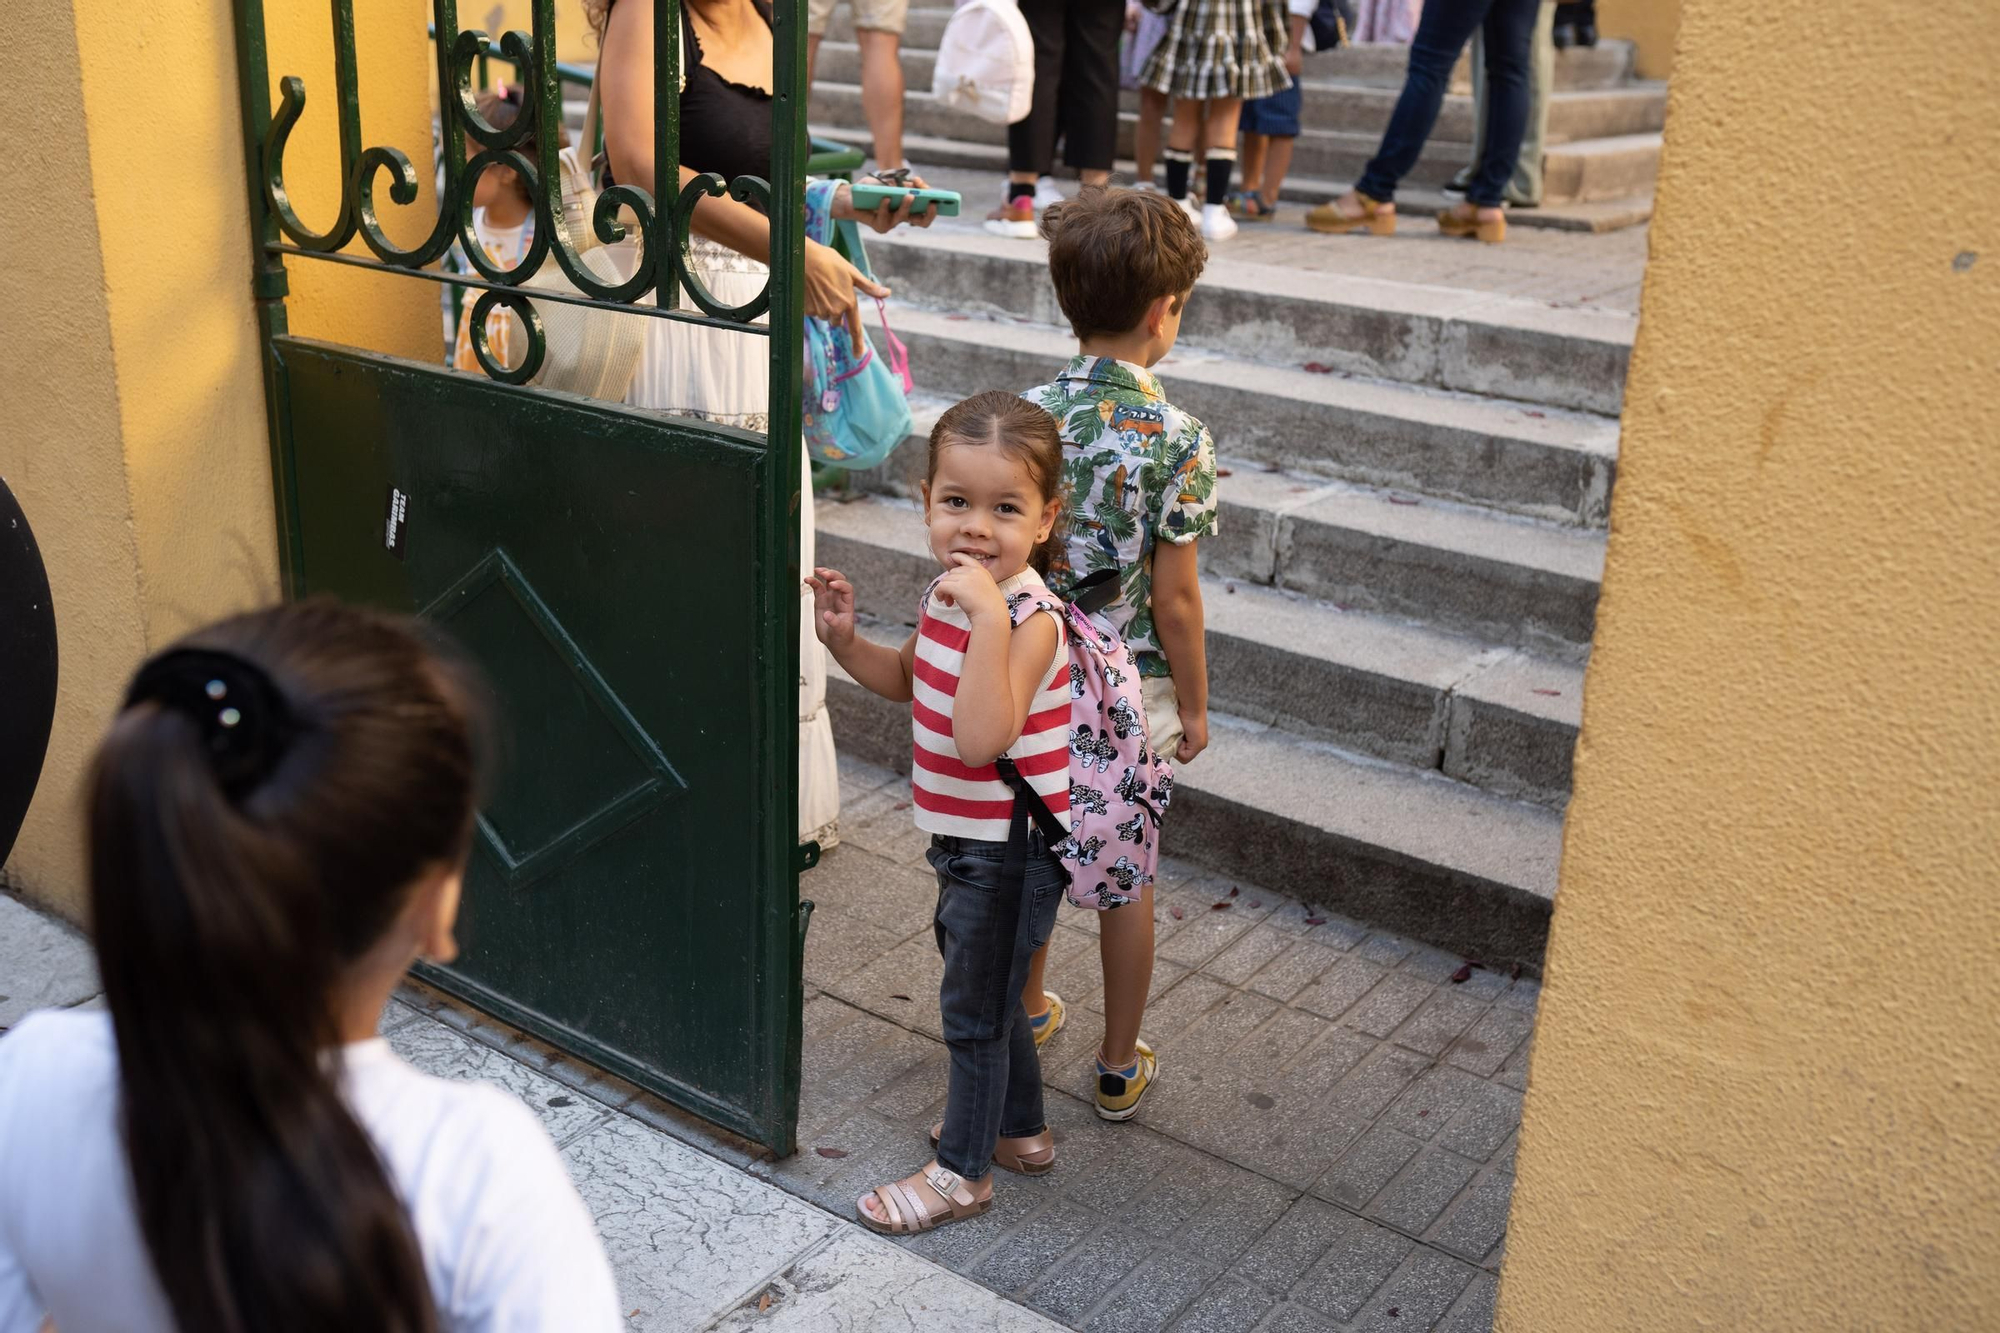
<point x="1401" y="595"/>
<point x="1601" y="157"/>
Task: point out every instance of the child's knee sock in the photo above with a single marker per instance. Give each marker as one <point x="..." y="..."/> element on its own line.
<point x="1221" y="166"/>
<point x="1180" y="162"/>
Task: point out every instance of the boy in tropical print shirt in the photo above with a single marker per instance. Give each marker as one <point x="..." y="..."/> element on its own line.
<point x="1139" y="493"/>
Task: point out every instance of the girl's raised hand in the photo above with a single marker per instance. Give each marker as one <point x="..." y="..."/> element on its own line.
<point x="833" y="603"/>
<point x="969" y="586"/>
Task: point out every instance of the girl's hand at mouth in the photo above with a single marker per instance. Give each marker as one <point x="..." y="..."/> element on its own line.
<point x="970" y="587"/>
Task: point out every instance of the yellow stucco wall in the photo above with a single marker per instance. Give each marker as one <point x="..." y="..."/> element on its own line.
<point x="1651" y="25"/>
<point x="1765" y="1089"/>
<point x="134" y="400"/>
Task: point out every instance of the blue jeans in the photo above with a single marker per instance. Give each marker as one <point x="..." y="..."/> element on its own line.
<point x="1442" y="32"/>
<point x="988" y="930"/>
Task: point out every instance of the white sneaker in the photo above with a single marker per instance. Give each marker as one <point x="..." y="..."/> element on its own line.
<point x="1193" y="210"/>
<point x="1216" y="224"/>
<point x="1046" y="192"/>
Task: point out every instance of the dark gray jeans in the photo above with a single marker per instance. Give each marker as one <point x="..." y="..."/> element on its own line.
<point x="988" y="930"/>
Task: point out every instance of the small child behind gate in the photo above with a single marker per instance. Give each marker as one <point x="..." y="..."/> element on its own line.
<point x="981" y="686"/>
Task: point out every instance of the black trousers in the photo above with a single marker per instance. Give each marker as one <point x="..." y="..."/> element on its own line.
<point x="1076" y="86"/>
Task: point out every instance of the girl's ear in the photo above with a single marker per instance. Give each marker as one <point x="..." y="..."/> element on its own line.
<point x="925" y="491"/>
<point x="1050" y="513"/>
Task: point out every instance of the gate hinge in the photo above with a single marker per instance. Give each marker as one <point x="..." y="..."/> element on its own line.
<point x="808" y="856"/>
<point x="804" y="919"/>
<point x="271" y="284"/>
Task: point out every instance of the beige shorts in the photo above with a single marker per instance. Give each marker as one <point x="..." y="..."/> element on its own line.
<point x="875" y="15"/>
<point x="1163" y="715"/>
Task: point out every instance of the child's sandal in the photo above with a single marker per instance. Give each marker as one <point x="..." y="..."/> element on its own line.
<point x="931" y="1198"/>
<point x="1032" y="1155"/>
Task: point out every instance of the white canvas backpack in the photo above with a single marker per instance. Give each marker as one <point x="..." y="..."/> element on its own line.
<point x="986" y="62"/>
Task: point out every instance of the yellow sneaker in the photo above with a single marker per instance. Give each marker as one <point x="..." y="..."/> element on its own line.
<point x="1049" y="1022"/>
<point x="1119" y="1090"/>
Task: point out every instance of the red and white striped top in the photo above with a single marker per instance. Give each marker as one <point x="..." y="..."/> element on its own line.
<point x="952" y="797"/>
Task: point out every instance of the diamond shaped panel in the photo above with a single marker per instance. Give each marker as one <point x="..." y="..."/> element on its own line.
<point x="576" y="766"/>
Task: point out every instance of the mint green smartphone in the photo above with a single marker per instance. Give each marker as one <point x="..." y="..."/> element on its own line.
<point x="868" y="198"/>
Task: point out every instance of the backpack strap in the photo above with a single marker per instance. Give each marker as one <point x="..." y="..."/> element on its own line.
<point x="1014" y="865"/>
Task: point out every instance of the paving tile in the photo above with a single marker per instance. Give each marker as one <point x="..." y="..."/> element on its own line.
<point x="1483" y="984"/>
<point x="1385" y="948"/>
<point x="1383" y="1009"/>
<point x="1293" y="970"/>
<point x="1439" y="1021"/>
<point x="1106" y="1166"/>
<point x="1515" y="1072"/>
<point x="1202" y="1047"/>
<point x="1360" y="1260"/>
<point x="895" y="1052"/>
<point x="1474" y="1311"/>
<point x="1369" y="1165"/>
<point x="893" y="835"/>
<point x="1252" y="949"/>
<point x="859" y="1283"/>
<point x="1379" y="1079"/>
<point x="852" y="882"/>
<point x="1490" y="1116"/>
<point x="1206" y="931"/>
<point x="837" y="944"/>
<point x="1415" y="1199"/>
<point x="1289" y="1318"/>
<point x="858" y="776"/>
<point x="916" y="1098"/>
<point x="913" y="968"/>
<point x="1226" y="1306"/>
<point x="439" y="1051"/>
<point x="1485" y="1047"/>
<point x="1214" y="1208"/>
<point x="1473" y="1227"/>
<point x="1419" y="1295"/>
<point x="1022" y="1255"/>
<point x="1433" y="965"/>
<point x="1430" y="1102"/>
<point x="1275" y="1045"/>
<point x="687" y="1235"/>
<point x="1504" y="1158"/>
<point x="1076" y="1285"/>
<point x="1156" y="1292"/>
<point x="394" y="1015"/>
<point x="1017" y="1200"/>
<point x="1341" y="987"/>
<point x="1525" y="995"/>
<point x="44" y="963"/>
<point x="1276" y="1260"/>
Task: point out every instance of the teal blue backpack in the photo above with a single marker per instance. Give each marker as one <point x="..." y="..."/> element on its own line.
<point x="857" y="409"/>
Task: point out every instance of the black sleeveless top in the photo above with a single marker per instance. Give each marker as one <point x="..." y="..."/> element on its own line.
<point x="725" y="127"/>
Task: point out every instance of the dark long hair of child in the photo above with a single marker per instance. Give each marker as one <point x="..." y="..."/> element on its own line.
<point x="240" y="860"/>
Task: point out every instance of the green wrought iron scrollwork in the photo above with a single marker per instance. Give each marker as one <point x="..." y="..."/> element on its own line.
<point x="661" y="270"/>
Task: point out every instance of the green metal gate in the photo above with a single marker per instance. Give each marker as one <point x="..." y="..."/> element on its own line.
<point x="627" y="580"/>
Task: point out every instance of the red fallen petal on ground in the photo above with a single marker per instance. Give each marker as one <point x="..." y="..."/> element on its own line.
<point x="1318" y="369"/>
<point x="831" y="1152"/>
<point x="1463" y="974"/>
<point x="1234" y="890"/>
<point x="1217" y="907"/>
<point x="1315" y="921"/>
<point x="1553" y="694"/>
<point x="899" y="997"/>
<point x="1515" y="975"/>
<point x="1256" y="902"/>
<point x="1178" y="914"/>
<point x="1532" y="413"/>
<point x="1401" y="500"/>
<point x="1224" y="472"/>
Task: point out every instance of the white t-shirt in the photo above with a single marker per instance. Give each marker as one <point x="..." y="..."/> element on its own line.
<point x="507" y="1244"/>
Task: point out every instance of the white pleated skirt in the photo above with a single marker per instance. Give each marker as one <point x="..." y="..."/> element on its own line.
<point x="725" y="377"/>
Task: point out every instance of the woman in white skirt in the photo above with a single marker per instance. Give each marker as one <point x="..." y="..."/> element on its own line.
<point x="716" y="374"/>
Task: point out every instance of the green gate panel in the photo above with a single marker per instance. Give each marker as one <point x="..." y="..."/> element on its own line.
<point x="599" y="564"/>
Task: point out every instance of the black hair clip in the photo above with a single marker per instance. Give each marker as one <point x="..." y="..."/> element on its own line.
<point x="244" y="718"/>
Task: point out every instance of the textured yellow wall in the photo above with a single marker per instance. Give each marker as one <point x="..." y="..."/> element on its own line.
<point x="1765" y="1091"/>
<point x="134" y="400"/>
<point x="1651" y="24"/>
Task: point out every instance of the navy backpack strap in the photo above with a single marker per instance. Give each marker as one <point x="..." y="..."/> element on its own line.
<point x="1014" y="867"/>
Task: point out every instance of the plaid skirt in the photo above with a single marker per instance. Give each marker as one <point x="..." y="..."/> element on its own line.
<point x="1221" y="48"/>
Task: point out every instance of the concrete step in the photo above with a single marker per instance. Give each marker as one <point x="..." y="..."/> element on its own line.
<point x="1595" y="216"/>
<point x="1380" y="63"/>
<point x="1442" y="337"/>
<point x="1626" y="164"/>
<point x="1541" y="463"/>
<point x="1416" y="852"/>
<point x="1338" y="104"/>
<point x="1495" y="718"/>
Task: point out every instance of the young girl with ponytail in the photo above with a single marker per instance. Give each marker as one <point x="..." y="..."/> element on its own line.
<point x="278" y="822"/>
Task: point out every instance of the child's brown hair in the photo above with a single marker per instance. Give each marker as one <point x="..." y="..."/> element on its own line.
<point x="501" y="107"/>
<point x="1010" y="422"/>
<point x="1112" y="253"/>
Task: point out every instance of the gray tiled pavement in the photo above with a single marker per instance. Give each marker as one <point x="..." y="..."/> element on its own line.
<point x="1331" y="1139"/>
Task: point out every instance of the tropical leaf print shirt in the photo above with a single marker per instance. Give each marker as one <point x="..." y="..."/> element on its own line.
<point x="1136" y="471"/>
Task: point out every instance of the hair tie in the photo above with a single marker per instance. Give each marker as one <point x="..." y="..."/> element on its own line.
<point x="244" y="720"/>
